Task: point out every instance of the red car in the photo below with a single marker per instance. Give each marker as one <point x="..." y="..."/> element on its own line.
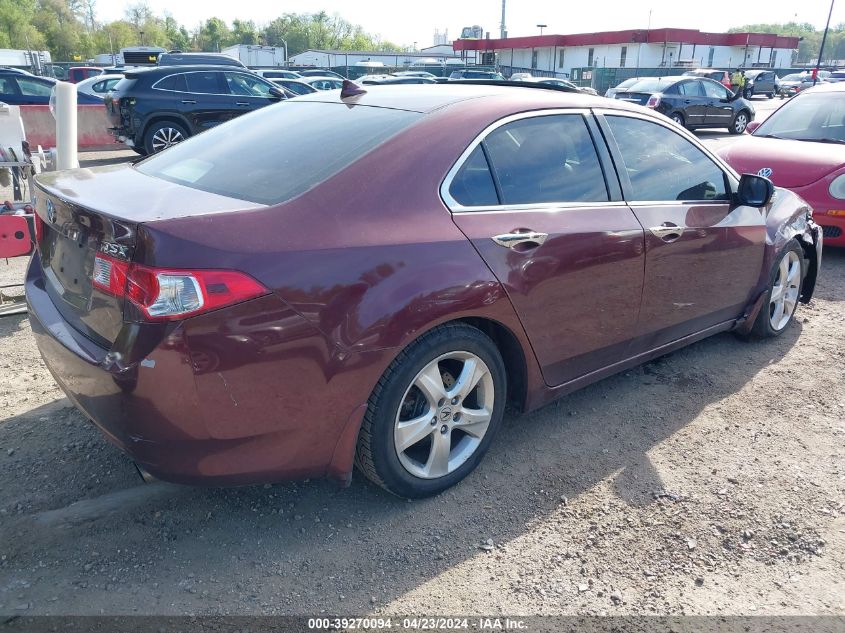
<point x="801" y="147"/>
<point x="310" y="285"/>
<point x="722" y="76"/>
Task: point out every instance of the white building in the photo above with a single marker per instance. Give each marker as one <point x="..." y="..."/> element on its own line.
<point x="333" y="59"/>
<point x="655" y="48"/>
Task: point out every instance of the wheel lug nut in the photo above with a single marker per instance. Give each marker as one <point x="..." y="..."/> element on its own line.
<point x="444" y="429"/>
<point x="456" y="417"/>
<point x="455" y="400"/>
<point x="433" y="421"/>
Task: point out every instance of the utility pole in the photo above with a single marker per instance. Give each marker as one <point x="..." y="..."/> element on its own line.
<point x="824" y="39"/>
<point x="503" y="30"/>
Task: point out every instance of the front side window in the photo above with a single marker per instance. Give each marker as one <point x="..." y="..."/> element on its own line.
<point x="546" y="159"/>
<point x="247" y="85"/>
<point x="664" y="166"/>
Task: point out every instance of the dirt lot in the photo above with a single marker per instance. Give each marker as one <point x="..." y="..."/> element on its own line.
<point x="709" y="481"/>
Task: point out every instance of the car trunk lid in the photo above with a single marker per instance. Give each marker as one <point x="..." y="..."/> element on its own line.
<point x="640" y="98"/>
<point x="86" y="212"/>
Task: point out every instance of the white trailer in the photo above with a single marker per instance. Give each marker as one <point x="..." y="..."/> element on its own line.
<point x="30" y="60"/>
<point x="258" y="56"/>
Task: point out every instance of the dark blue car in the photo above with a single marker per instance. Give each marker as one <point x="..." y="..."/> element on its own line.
<point x="19" y="89"/>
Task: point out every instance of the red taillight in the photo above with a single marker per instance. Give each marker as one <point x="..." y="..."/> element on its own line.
<point x="653" y="101"/>
<point x="167" y="294"/>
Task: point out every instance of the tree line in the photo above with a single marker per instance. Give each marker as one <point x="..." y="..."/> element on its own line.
<point x="70" y="31"/>
<point x="810" y="43"/>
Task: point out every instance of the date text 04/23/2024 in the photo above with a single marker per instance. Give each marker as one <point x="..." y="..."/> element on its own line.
<point x="416" y="624"/>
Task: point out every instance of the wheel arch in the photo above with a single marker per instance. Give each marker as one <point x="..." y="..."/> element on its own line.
<point x="158" y="118"/>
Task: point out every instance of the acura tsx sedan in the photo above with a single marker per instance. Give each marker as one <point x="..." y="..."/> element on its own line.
<point x="371" y="275"/>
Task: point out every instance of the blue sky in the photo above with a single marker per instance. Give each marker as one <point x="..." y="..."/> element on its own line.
<point x="408" y="22"/>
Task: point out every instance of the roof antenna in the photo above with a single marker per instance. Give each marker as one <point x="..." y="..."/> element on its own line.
<point x="351" y="89"/>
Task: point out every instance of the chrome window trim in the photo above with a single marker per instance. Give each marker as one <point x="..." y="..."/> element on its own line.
<point x="455" y="207"/>
<point x="213" y="94"/>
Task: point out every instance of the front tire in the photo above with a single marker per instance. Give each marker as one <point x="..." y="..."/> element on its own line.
<point x="783" y="292"/>
<point x="433" y="413"/>
<point x="739" y="123"/>
<point x="163" y="134"/>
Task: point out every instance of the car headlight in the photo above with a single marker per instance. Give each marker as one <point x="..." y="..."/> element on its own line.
<point x="837" y="187"/>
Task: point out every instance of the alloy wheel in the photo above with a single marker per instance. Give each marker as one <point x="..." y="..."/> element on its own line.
<point x="785" y="291"/>
<point x="166" y="137"/>
<point x="740" y="123"/>
<point x="444" y="415"/>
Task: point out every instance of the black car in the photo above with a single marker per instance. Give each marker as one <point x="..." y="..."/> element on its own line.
<point x="193" y="59"/>
<point x="692" y="102"/>
<point x="153" y="108"/>
<point x="17" y="88"/>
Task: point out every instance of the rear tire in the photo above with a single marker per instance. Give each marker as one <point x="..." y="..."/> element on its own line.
<point x="782" y="294"/>
<point x="163" y="134"/>
<point x="678" y="118"/>
<point x="418" y="438"/>
<point x="739" y="123"/>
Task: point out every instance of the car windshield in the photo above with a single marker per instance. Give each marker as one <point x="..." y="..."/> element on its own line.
<point x="278" y="152"/>
<point x="809" y="116"/>
<point x="627" y="83"/>
<point x="653" y="85"/>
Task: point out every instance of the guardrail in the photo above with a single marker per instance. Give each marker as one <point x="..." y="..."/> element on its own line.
<point x="91" y="127"/>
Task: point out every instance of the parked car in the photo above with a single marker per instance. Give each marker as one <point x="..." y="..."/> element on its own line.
<point x="371" y="324"/>
<point x="76" y="74"/>
<point x="151" y="109"/>
<point x="761" y="82"/>
<point x="194" y="59"/>
<point x="390" y="80"/>
<point x="295" y="86"/>
<point x="520" y="76"/>
<point x="610" y="93"/>
<point x="693" y="102"/>
<point x="476" y="74"/>
<point x="792" y="84"/>
<point x="801" y="147"/>
<point x="20" y="89"/>
<point x="323" y="83"/>
<point x="277" y="74"/>
<point x="565" y="83"/>
<point x="98" y="86"/>
<point x="722" y="76"/>
<point x="320" y="72"/>
<point x="415" y="73"/>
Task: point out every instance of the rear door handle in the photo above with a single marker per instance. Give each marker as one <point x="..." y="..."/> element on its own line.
<point x="668" y="231"/>
<point x="241" y="103"/>
<point x="188" y="101"/>
<point x="509" y="240"/>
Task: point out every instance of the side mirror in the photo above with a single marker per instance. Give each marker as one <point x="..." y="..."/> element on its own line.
<point x="753" y="125"/>
<point x="277" y="93"/>
<point x="754" y="191"/>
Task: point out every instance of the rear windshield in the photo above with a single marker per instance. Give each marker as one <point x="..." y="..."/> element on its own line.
<point x="653" y="85"/>
<point x="278" y="152"/>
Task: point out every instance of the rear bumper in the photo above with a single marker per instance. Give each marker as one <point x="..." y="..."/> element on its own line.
<point x="833" y="228"/>
<point x="189" y="424"/>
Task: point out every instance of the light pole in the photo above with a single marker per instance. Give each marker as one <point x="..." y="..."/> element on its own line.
<point x="824" y="39"/>
<point x="541" y="27"/>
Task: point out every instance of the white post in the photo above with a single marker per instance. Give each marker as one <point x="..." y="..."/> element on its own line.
<point x="66" y="126"/>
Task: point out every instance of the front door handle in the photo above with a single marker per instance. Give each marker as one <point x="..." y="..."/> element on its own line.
<point x="242" y="103"/>
<point x="188" y="101"/>
<point x="509" y="240"/>
<point x="668" y="231"/>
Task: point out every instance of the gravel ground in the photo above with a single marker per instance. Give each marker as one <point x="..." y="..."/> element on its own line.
<point x="709" y="481"/>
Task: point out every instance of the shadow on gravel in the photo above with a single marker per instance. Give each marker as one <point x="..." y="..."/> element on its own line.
<point x="91" y="538"/>
<point x="10" y="324"/>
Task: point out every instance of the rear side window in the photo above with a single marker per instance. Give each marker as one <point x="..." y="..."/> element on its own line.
<point x="204" y="82"/>
<point x="7" y="86"/>
<point x="664" y="166"/>
<point x="176" y="83"/>
<point x="473" y="185"/>
<point x="691" y="89"/>
<point x="546" y="159"/>
<point x="281" y="151"/>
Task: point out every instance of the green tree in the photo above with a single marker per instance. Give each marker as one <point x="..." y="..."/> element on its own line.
<point x="243" y="32"/>
<point x="213" y="35"/>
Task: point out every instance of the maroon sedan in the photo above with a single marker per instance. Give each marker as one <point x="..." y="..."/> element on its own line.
<point x="802" y="147"/>
<point x="371" y="278"/>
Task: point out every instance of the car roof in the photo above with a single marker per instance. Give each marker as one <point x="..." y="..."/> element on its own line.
<point x="425" y="98"/>
<point x="178" y="68"/>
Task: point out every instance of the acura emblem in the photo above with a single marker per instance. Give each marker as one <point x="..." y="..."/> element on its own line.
<point x="445" y="414"/>
<point x="765" y="172"/>
<point x="51" y="211"/>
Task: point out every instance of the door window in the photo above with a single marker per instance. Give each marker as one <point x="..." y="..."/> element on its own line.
<point x="691" y="89"/>
<point x="546" y="159"/>
<point x="664" y="166"/>
<point x="715" y="91"/>
<point x="6" y="86"/>
<point x="204" y="82"/>
<point x="246" y="85"/>
<point x="32" y="88"/>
